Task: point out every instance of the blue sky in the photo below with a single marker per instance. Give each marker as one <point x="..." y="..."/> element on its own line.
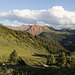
<point x="57" y="13"/>
<point x="7" y="5"/>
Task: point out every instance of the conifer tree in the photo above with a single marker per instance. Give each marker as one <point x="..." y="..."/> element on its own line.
<point x="13" y="56"/>
<point x="52" y="59"/>
<point x="48" y="60"/>
<point x="63" y="58"/>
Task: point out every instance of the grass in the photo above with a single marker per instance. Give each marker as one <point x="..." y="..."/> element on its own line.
<point x="26" y="50"/>
<point x="26" y="53"/>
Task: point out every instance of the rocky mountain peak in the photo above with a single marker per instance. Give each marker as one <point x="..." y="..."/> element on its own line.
<point x="35" y="30"/>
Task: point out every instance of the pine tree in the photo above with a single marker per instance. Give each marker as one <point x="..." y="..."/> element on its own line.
<point x="63" y="58"/>
<point x="72" y="61"/>
<point x="52" y="59"/>
<point x="13" y="56"/>
<point x="48" y="60"/>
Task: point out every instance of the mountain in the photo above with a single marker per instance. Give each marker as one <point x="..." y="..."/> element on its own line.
<point x="22" y="27"/>
<point x="65" y="37"/>
<point x="35" y="30"/>
<point x="27" y="46"/>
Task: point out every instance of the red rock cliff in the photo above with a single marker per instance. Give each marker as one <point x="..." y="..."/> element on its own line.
<point x="35" y="30"/>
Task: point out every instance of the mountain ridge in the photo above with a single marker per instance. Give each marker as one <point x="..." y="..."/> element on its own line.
<point x="65" y="36"/>
<point x="33" y="29"/>
<point x="27" y="38"/>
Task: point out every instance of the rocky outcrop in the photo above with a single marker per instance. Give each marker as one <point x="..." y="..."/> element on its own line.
<point x="35" y="30"/>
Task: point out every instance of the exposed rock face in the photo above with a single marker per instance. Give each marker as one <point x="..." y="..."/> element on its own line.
<point x="35" y="30"/>
<point x="22" y="28"/>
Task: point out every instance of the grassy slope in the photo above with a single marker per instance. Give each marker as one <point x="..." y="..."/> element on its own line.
<point x="26" y="45"/>
<point x="8" y="43"/>
<point x="26" y="54"/>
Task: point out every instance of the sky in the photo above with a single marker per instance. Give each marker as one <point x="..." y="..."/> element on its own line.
<point x="56" y="13"/>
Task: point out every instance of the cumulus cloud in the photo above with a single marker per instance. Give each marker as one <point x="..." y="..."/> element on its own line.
<point x="56" y="16"/>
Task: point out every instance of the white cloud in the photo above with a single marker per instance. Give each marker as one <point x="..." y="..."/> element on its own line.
<point x="56" y="16"/>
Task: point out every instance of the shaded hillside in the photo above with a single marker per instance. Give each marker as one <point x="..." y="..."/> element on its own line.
<point x="65" y="37"/>
<point x="69" y="42"/>
<point x="52" y="36"/>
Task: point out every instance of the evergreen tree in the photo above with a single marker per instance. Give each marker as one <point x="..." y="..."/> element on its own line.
<point x="72" y="61"/>
<point x="52" y="59"/>
<point x="63" y="58"/>
<point x="13" y="56"/>
<point x="48" y="60"/>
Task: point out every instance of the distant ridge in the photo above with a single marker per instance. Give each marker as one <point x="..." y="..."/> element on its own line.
<point x="51" y="28"/>
<point x="22" y="27"/>
<point x="67" y="29"/>
<point x="33" y="29"/>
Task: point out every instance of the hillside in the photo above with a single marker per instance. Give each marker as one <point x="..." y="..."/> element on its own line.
<point x="33" y="55"/>
<point x="26" y="45"/>
<point x="64" y="36"/>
